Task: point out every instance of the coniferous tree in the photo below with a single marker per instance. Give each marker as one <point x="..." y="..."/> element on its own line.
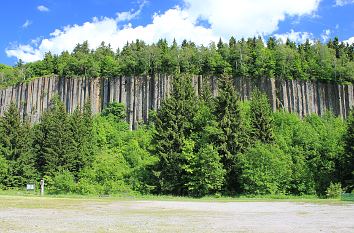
<point x="25" y="164"/>
<point x="16" y="148"/>
<point x="261" y="118"/>
<point x="54" y="140"/>
<point x="4" y="169"/>
<point x="174" y="125"/>
<point x="233" y="137"/>
<point x="81" y="128"/>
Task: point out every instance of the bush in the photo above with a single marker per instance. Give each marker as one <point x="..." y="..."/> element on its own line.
<point x="85" y="186"/>
<point x="204" y="171"/>
<point x="115" y="109"/>
<point x="334" y="190"/>
<point x="63" y="182"/>
<point x="106" y="176"/>
<point x="265" y="169"/>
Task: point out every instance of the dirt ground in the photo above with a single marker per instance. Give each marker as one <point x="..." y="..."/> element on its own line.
<point x="69" y="215"/>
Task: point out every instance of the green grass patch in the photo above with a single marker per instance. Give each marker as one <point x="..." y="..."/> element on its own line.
<point x="12" y="196"/>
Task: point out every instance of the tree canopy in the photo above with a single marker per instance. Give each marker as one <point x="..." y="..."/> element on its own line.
<point x="243" y="58"/>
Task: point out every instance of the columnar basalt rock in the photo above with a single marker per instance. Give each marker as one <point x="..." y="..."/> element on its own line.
<point x="141" y="94"/>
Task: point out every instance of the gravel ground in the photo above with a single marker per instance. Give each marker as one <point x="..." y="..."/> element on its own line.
<point x="176" y="216"/>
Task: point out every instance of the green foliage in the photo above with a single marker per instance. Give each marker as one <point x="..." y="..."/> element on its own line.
<point x="114" y="139"/>
<point x="334" y="190"/>
<point x="116" y="109"/>
<point x="4" y="169"/>
<point x="140" y="160"/>
<point x="315" y="141"/>
<point x="62" y="182"/>
<point x="266" y="169"/>
<point x="106" y="176"/>
<point x="261" y="118"/>
<point x="193" y="145"/>
<point x="174" y="124"/>
<point x="16" y="147"/>
<point x="299" y="140"/>
<point x="330" y="131"/>
<point x="243" y="58"/>
<point x="346" y="164"/>
<point x="82" y="134"/>
<point x="55" y="143"/>
<point x="233" y="137"/>
<point x="204" y="171"/>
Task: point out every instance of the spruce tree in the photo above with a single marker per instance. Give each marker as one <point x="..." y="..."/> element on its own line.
<point x="25" y="164"/>
<point x="16" y="148"/>
<point x="261" y="118"/>
<point x="4" y="169"/>
<point x="173" y="125"/>
<point x="233" y="137"/>
<point x="10" y="127"/>
<point x="54" y="141"/>
<point x="81" y="126"/>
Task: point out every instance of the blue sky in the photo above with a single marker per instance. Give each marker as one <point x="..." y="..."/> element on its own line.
<point x="32" y="27"/>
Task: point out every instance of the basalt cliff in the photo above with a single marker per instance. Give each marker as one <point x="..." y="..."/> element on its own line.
<point x="141" y="94"/>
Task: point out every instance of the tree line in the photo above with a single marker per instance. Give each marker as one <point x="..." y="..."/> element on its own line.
<point x="192" y="146"/>
<point x="250" y="57"/>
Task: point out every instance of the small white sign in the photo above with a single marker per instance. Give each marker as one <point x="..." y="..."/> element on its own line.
<point x="30" y="187"/>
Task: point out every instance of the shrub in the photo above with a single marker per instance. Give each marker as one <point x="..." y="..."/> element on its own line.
<point x="334" y="190"/>
<point x="85" y="186"/>
<point x="204" y="171"/>
<point x="63" y="182"/>
<point x="115" y="109"/>
<point x="106" y="176"/>
<point x="265" y="169"/>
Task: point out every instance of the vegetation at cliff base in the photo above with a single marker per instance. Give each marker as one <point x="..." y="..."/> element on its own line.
<point x="252" y="57"/>
<point x="192" y="146"/>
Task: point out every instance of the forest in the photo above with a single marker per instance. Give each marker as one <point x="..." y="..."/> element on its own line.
<point x="192" y="146"/>
<point x="252" y="58"/>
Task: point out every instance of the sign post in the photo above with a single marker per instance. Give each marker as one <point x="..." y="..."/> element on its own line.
<point x="42" y="187"/>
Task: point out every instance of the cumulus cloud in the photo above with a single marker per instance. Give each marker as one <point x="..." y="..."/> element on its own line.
<point x="225" y="18"/>
<point x="25" y="52"/>
<point x="26" y="24"/>
<point x="244" y="18"/>
<point x="298" y="37"/>
<point x="343" y="2"/>
<point x="350" y="40"/>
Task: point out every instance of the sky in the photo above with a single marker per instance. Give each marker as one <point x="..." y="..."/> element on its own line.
<point x="30" y="28"/>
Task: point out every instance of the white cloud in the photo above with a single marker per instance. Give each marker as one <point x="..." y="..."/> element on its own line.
<point x="240" y="18"/>
<point x="129" y="15"/>
<point x="26" y="24"/>
<point x="343" y="2"/>
<point x="350" y="40"/>
<point x="42" y="8"/>
<point x="25" y="52"/>
<point x="244" y="18"/>
<point x="325" y="35"/>
<point x="298" y="37"/>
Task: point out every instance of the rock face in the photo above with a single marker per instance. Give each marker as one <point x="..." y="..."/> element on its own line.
<point x="140" y="94"/>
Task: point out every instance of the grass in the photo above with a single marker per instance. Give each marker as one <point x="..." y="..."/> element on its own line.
<point x="13" y="197"/>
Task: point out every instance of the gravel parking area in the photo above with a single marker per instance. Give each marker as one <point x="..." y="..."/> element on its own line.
<point x="173" y="216"/>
